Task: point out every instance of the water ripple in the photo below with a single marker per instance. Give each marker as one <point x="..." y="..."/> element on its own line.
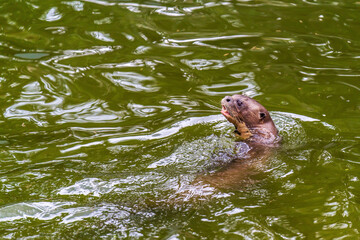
<point x="110" y="118"/>
<point x="132" y="81"/>
<point x="51" y="15"/>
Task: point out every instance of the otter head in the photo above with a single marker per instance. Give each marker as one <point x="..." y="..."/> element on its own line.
<point x="251" y="119"/>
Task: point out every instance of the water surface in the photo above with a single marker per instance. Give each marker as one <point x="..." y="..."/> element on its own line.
<point x="111" y="111"/>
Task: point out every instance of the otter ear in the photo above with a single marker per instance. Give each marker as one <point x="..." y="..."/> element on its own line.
<point x="262" y="116"/>
<point x="239" y="102"/>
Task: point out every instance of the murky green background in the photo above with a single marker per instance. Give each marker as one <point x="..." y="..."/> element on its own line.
<point x="111" y="109"/>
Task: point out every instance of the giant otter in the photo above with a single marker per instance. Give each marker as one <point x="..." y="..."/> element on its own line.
<point x="254" y="126"/>
<point x="251" y="120"/>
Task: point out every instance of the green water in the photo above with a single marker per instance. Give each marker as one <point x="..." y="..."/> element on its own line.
<point x="110" y="111"/>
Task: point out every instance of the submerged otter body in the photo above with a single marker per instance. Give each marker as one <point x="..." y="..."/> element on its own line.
<point x="254" y="126"/>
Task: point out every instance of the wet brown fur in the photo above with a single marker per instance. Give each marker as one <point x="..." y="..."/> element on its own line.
<point x="253" y="124"/>
<point x="252" y="121"/>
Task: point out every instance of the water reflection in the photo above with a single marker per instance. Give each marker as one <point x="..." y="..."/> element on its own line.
<point x="110" y="112"/>
<point x="132" y="81"/>
<point x="246" y="86"/>
<point x="51" y="15"/>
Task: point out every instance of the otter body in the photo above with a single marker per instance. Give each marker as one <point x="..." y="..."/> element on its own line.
<point x="254" y="126"/>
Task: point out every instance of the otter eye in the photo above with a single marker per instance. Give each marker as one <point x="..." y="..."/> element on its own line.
<point x="239" y="103"/>
<point x="262" y="115"/>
